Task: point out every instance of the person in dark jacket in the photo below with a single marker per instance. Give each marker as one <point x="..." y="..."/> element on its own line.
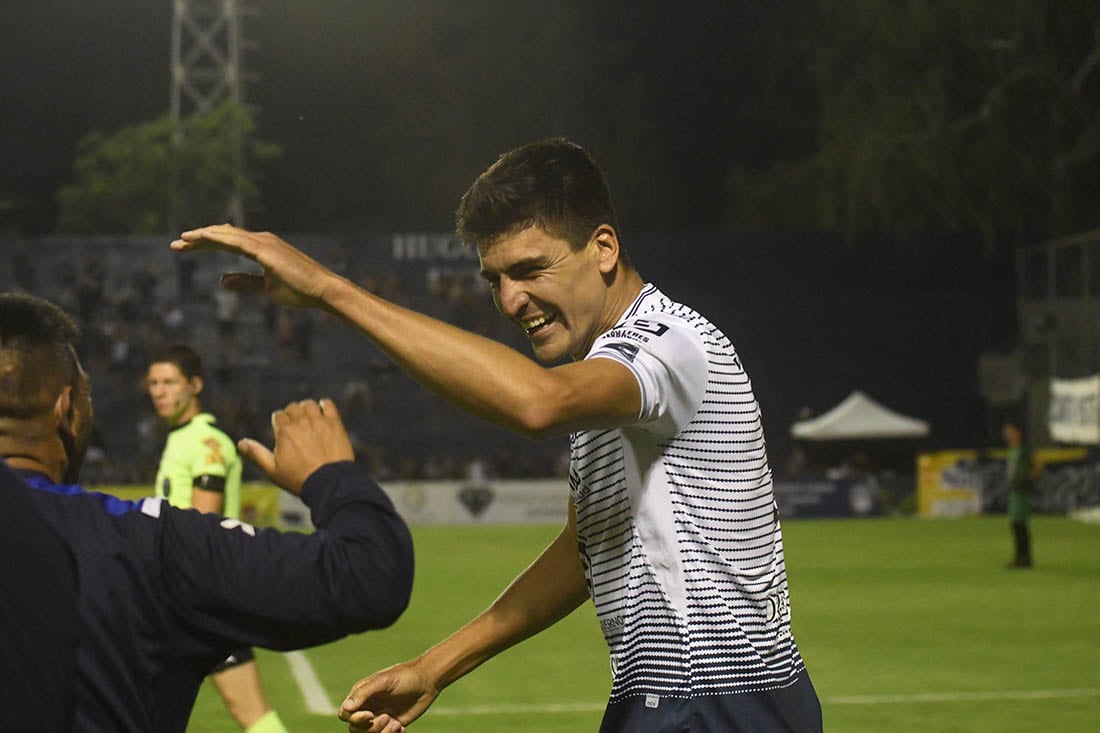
<point x="163" y="595"/>
<point x="37" y="623"/>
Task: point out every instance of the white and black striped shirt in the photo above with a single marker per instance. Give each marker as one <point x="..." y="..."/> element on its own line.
<point x="676" y="518"/>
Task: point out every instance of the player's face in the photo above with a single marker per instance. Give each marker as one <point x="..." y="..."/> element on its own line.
<point x="556" y="294"/>
<point x="172" y="393"/>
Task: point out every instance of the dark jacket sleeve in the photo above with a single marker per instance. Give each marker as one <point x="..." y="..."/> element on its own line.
<point x="231" y="586"/>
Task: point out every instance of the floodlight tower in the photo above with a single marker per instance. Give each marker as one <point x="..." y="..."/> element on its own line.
<point x="206" y="71"/>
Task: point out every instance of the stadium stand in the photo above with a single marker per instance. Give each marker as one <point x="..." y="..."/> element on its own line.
<point x="132" y="294"/>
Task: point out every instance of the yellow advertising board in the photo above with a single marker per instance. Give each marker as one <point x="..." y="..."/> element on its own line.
<point x="949" y="483"/>
<point x="259" y="501"/>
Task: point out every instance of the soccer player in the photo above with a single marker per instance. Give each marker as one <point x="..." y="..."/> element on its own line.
<point x="200" y="469"/>
<point x="672" y="527"/>
<point x="163" y="595"/>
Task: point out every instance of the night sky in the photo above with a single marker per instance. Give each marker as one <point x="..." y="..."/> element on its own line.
<point x="386" y="110"/>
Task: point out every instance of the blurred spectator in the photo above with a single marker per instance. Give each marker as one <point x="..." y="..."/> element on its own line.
<point x="356" y="403"/>
<point x="285" y="330"/>
<point x="798" y="462"/>
<point x="409" y="470"/>
<point x="144" y="281"/>
<point x="226" y="306"/>
<point x="303" y="335"/>
<point x="185" y="276"/>
<point x="23" y="270"/>
<point x="392" y="288"/>
<point x="477" y="471"/>
<point x="89" y="289"/>
<point x="432" y="468"/>
<point x="175" y="324"/>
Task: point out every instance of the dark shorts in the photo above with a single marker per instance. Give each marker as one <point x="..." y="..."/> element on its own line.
<point x="237" y="658"/>
<point x="792" y="709"/>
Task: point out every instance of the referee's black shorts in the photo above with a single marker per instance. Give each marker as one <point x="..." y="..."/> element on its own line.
<point x="792" y="709"/>
<point x="236" y="659"/>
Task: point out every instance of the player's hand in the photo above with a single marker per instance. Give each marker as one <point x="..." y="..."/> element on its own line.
<point x="389" y="700"/>
<point x="308" y="435"/>
<point x="290" y="276"/>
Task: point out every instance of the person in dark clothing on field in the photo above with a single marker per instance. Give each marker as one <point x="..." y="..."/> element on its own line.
<point x="163" y="595"/>
<point x="1021" y="471"/>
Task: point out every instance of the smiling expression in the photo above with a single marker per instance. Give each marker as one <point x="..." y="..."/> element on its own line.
<point x="558" y="295"/>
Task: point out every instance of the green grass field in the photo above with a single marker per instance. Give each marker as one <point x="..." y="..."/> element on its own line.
<point x="906" y="625"/>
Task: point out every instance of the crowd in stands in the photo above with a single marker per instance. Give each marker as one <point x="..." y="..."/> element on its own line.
<point x="131" y="295"/>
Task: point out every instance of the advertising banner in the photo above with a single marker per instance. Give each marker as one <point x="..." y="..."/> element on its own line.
<point x="843" y="497"/>
<point x="1074" y="415"/>
<point x="521" y="501"/>
<point x="949" y="484"/>
<point x="261" y="503"/>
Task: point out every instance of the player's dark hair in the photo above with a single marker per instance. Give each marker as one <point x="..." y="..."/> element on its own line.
<point x="553" y="184"/>
<point x="37" y="354"/>
<point x="183" y="356"/>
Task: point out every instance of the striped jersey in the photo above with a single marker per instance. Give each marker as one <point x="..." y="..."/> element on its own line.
<point x="198" y="453"/>
<point x="676" y="518"/>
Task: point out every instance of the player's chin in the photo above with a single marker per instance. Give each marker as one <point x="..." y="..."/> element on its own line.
<point x="548" y="352"/>
<point x="549" y="343"/>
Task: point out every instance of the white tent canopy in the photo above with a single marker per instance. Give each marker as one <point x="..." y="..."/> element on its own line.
<point x="859" y="416"/>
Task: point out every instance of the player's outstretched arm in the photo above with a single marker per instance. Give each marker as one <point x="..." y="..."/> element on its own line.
<point x="546" y="592"/>
<point x="379" y="703"/>
<point x="478" y="375"/>
<point x="290" y="276"/>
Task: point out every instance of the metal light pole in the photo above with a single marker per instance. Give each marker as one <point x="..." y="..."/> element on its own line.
<point x="206" y="71"/>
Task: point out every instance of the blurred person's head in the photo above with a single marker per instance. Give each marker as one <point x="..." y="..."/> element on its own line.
<point x="545" y="229"/>
<point x="174" y="381"/>
<point x="45" y="397"/>
<point x="1013" y="433"/>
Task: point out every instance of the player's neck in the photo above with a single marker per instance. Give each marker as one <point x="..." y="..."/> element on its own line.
<point x="186" y="416"/>
<point x="625" y="291"/>
<point x="31" y="445"/>
<point x="29" y="465"/>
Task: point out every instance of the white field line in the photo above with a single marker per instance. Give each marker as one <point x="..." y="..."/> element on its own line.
<point x="918" y="697"/>
<point x="972" y="696"/>
<point x="313" y="693"/>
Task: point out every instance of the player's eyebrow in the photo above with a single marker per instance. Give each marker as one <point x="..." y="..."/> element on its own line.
<point x="519" y="267"/>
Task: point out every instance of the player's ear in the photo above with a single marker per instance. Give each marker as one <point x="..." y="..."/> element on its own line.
<point x="607" y="247"/>
<point x="63" y="408"/>
<point x="196" y="385"/>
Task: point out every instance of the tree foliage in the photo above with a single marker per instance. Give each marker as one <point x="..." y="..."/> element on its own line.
<point x="941" y="115"/>
<point x="124" y="180"/>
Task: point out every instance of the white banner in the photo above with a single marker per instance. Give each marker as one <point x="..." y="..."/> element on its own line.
<point x="1074" y="415"/>
<point x="528" y="501"/>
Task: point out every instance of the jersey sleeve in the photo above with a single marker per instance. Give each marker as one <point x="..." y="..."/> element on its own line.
<point x="212" y="455"/>
<point x="668" y="358"/>
<point x="289" y="590"/>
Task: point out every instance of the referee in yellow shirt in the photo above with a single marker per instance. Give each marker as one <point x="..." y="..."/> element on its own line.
<point x="200" y="469"/>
